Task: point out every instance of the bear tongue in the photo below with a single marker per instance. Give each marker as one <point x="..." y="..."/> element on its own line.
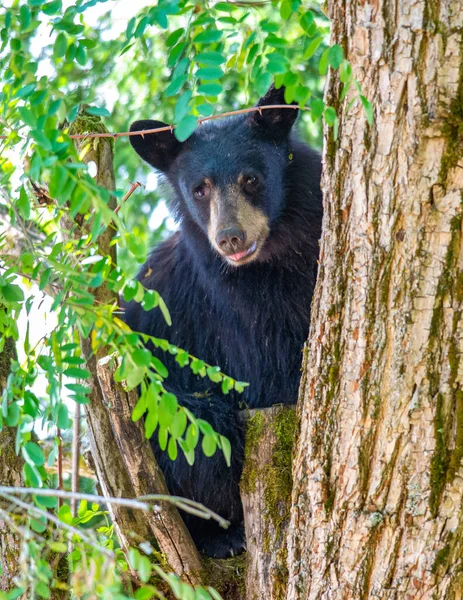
<point x="240" y="255"/>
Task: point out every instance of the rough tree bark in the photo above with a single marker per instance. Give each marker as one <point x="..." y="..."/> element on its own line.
<point x="10" y="474"/>
<point x="378" y="495"/>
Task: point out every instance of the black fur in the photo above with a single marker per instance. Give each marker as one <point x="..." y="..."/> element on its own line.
<point x="251" y="320"/>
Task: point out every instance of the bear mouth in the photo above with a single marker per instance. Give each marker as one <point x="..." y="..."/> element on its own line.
<point x="241" y="257"/>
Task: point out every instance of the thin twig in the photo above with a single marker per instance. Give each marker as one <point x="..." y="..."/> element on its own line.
<point x="183" y="503"/>
<point x="75" y="457"/>
<point x="60" y="462"/>
<point x="135" y="185"/>
<point x="50" y="517"/>
<point x="242" y="111"/>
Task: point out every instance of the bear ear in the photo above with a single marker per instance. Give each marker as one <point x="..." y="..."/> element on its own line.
<point x="276" y="122"/>
<point x="158" y="149"/>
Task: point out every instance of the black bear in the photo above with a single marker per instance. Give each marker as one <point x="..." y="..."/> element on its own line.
<point x="238" y="278"/>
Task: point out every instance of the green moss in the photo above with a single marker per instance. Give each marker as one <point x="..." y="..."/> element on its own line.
<point x="278" y="477"/>
<point x="254" y="430"/>
<point x="363" y="579"/>
<point x="280" y="574"/>
<point x="446" y="462"/>
<point x="457" y="452"/>
<point x="440" y="458"/>
<point x="452" y="129"/>
<point x="330" y="491"/>
<point x="441" y="558"/>
<point x="365" y="455"/>
<point x="85" y="123"/>
<point x="227" y="576"/>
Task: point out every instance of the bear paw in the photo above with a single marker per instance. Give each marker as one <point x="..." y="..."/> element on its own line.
<point x="231" y="542"/>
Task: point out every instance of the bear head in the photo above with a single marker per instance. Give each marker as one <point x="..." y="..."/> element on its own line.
<point x="229" y="176"/>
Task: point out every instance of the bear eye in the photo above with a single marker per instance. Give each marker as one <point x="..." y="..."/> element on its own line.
<point x="201" y="192"/>
<point x="250" y="183"/>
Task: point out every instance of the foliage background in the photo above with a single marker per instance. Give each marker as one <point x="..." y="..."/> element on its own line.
<point x="176" y="61"/>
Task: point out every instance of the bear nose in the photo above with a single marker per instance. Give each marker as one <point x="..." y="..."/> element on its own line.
<point x="230" y="239"/>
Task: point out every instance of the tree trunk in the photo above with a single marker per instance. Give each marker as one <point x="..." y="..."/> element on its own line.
<point x="378" y="496"/>
<point x="10" y="474"/>
<point x="266" y="494"/>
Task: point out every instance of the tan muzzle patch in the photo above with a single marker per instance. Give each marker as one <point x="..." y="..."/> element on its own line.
<point x="229" y="207"/>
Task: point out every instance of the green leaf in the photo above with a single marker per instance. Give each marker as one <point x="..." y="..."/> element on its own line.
<point x="32" y="476"/>
<point x="168" y="403"/>
<point x="240" y="386"/>
<point x="263" y="82"/>
<point x="312" y="47"/>
<point x="210" y="89"/>
<point x="144" y="568"/>
<point x="142" y="25"/>
<point x="209" y="73"/>
<point x="139" y="410"/>
<point x="77" y="373"/>
<point x="25" y="17"/>
<point x="178" y="425"/>
<point x="11" y="293"/>
<point x="192" y="435"/>
<point x="58" y="180"/>
<point x="59" y="547"/>
<point x="142" y="357"/>
<point x="335" y="56"/>
<point x="307" y="21"/>
<point x="205" y="109"/>
<point x="98" y="112"/>
<point x="210" y="58"/>
<point x="323" y="64"/>
<point x="38" y="525"/>
<point x="214" y="374"/>
<point x="209" y="445"/>
<point x="175" y="86"/>
<point x="52" y="7"/>
<point x="46" y="501"/>
<point x="225" y="7"/>
<point x="159" y="366"/>
<point x="151" y="422"/>
<point x="175" y="53"/>
<point x="368" y="107"/>
<point x="33" y="454"/>
<point x="135" y="377"/>
<point x="77" y="387"/>
<point x="286" y="9"/>
<point x="174" y="37"/>
<point x="150" y="300"/>
<point x="317" y="106"/>
<point x="162" y="437"/>
<point x="60" y="45"/>
<point x="172" y="449"/>
<point x="64" y="514"/>
<point x="209" y="36"/>
<point x="185" y="128"/>
<point x="162" y="304"/>
<point x="63" y="417"/>
<point x="13" y="414"/>
<point x="226" y="449"/>
<point x="182" y="106"/>
<point x="330" y="115"/>
<point x="81" y="55"/>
